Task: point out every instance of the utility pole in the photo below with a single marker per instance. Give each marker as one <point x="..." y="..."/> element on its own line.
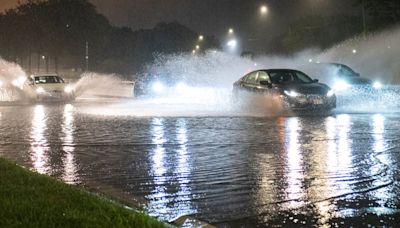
<point x="363" y="19"/>
<point x="87" y="56"/>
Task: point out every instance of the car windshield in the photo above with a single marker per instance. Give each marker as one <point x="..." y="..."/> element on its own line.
<point x="345" y="71"/>
<point x="48" y="79"/>
<point x="288" y="77"/>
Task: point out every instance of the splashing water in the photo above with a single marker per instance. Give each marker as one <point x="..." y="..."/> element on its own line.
<point x="210" y="77"/>
<point x="106" y="85"/>
<point x="375" y="57"/>
<point x="12" y="79"/>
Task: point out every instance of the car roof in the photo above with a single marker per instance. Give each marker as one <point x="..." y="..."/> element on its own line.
<point x="275" y="69"/>
<point x="332" y="64"/>
<point x="45" y="75"/>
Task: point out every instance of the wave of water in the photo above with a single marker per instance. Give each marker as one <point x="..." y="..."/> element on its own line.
<point x="211" y="75"/>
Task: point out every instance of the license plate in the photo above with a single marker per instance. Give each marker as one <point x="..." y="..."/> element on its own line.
<point x="318" y="101"/>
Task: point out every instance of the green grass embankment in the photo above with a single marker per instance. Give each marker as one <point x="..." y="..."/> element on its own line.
<point x="29" y="199"/>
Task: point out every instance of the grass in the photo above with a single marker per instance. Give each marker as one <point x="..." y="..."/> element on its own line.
<point x="29" y="199"/>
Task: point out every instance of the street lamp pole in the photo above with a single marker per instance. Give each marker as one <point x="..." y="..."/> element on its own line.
<point x="87" y="56"/>
<point x="363" y="18"/>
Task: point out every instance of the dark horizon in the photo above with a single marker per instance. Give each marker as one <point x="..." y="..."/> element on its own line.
<point x="211" y="17"/>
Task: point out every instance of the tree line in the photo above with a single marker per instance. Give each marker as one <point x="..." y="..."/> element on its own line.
<point x="71" y="34"/>
<point x="323" y="31"/>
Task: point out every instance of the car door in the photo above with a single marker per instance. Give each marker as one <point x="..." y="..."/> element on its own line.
<point x="249" y="83"/>
<point x="263" y="76"/>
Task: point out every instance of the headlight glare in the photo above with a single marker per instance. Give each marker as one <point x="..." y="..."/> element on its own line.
<point x="341" y="85"/>
<point x="40" y="90"/>
<point x="68" y="89"/>
<point x="291" y="93"/>
<point x="158" y="87"/>
<point x="377" y="85"/>
<point x="181" y="87"/>
<point x="330" y="93"/>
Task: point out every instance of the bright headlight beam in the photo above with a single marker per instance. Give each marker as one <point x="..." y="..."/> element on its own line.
<point x="291" y="93"/>
<point x="330" y="93"/>
<point x="68" y="89"/>
<point x="158" y="87"/>
<point x="377" y="85"/>
<point x="341" y="85"/>
<point x="40" y="90"/>
<point x="181" y="87"/>
<point x="15" y="83"/>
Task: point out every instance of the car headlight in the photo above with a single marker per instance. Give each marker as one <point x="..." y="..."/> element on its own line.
<point x="158" y="87"/>
<point x="341" y="85"/>
<point x="377" y="85"/>
<point x="291" y="93"/>
<point x="68" y="89"/>
<point x="15" y="83"/>
<point x="181" y="87"/>
<point x="19" y="82"/>
<point x="40" y="90"/>
<point x="330" y="93"/>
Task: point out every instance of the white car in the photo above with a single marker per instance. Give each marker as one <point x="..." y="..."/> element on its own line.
<point x="50" y="87"/>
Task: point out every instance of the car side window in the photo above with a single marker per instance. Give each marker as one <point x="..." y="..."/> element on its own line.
<point x="281" y="77"/>
<point x="251" y="78"/>
<point x="262" y="76"/>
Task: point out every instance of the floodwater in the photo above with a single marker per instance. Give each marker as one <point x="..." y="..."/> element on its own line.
<point x="230" y="171"/>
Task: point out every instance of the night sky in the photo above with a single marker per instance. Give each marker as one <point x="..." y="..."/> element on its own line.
<point x="214" y="17"/>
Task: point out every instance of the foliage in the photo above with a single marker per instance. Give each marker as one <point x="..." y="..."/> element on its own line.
<point x="61" y="29"/>
<point x="383" y="12"/>
<point x="320" y="30"/>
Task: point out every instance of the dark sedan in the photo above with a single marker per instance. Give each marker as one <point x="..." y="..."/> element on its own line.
<point x="296" y="90"/>
<point x="341" y="78"/>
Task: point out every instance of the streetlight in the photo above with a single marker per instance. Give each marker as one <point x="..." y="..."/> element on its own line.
<point x="197" y="47"/>
<point x="201" y="37"/>
<point x="232" y="44"/>
<point x="230" y="31"/>
<point x="263" y="9"/>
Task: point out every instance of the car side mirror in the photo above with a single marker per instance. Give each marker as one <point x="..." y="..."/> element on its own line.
<point x="315" y="80"/>
<point x="266" y="83"/>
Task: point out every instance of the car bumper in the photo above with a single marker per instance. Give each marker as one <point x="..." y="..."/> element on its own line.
<point x="54" y="95"/>
<point x="310" y="103"/>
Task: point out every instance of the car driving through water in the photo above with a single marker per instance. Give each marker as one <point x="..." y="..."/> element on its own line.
<point x="49" y="87"/>
<point x="294" y="89"/>
<point x="158" y="85"/>
<point x="341" y="78"/>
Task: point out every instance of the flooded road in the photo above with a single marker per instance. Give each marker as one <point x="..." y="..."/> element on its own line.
<point x="230" y="171"/>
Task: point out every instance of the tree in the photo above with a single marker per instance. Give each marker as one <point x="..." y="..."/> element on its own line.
<point x="383" y="12"/>
<point x="60" y="29"/>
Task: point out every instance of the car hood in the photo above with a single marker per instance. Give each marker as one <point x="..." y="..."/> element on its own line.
<point x="309" y="88"/>
<point x="51" y="86"/>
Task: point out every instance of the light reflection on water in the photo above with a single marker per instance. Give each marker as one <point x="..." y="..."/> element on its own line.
<point x="183" y="169"/>
<point x="39" y="144"/>
<point x="218" y="169"/>
<point x="172" y="195"/>
<point x="294" y="160"/>
<point x="344" y="144"/>
<point x="70" y="169"/>
<point x="157" y="198"/>
<point x="378" y="121"/>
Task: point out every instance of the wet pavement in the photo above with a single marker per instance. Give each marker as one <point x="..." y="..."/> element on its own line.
<point x="231" y="171"/>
